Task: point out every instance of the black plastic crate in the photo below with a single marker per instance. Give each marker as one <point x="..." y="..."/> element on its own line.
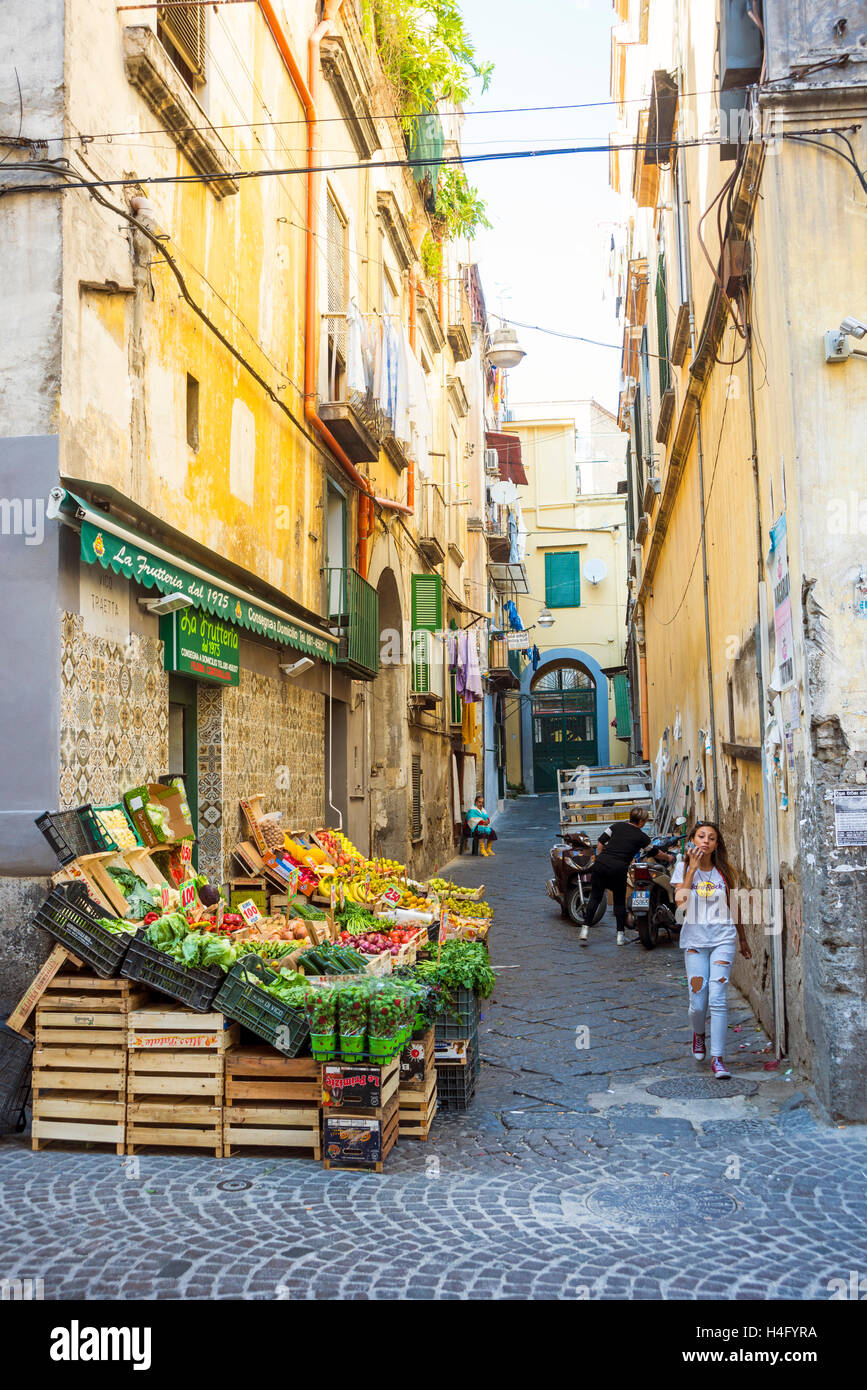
<point x="192" y="985"/>
<point x="460" y="1017"/>
<point x="71" y="916"/>
<point x="68" y="833"/>
<point x="456" y="1085"/>
<point x="16" y="1066"/>
<point x="241" y="998"/>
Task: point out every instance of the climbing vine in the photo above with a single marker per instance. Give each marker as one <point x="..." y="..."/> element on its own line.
<point x="428" y="57"/>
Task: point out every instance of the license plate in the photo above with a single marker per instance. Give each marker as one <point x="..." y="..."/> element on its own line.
<point x="640" y="899"/>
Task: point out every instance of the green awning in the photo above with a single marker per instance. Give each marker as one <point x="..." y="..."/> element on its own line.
<point x="109" y="543"/>
<point x="621" y="705"/>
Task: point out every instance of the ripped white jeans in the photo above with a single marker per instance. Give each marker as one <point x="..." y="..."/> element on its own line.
<point x="707" y="977"/>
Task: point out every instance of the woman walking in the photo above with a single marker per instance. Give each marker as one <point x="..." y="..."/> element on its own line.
<point x="708" y="936"/>
<point x="616" y="850"/>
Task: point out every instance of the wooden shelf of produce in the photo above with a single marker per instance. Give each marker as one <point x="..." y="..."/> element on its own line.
<point x="348" y="1134"/>
<point x="176" y="1078"/>
<point x="418" y="1088"/>
<point x="80" y="1068"/>
<point x="272" y="1102"/>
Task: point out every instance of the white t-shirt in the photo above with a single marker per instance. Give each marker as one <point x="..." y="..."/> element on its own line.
<point x="708" y="921"/>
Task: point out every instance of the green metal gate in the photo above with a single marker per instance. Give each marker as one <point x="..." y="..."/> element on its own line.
<point x="564" y="725"/>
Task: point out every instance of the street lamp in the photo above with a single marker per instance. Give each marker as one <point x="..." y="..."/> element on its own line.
<point x="505" y="350"/>
<point x="545" y="618"/>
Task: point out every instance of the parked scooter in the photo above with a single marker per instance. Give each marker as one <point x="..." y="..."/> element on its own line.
<point x="649" y="895"/>
<point x="572" y="863"/>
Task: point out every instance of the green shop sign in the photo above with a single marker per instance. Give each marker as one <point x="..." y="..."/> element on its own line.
<point x="200" y="646"/>
<point x="136" y="562"/>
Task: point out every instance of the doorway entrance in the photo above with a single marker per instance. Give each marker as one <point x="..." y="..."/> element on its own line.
<point x="184" y="745"/>
<point x="563" y="703"/>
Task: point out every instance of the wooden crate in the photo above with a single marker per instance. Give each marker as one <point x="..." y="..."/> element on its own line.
<point x="356" y="1077"/>
<point x="160" y="1027"/>
<point x="416" y="1109"/>
<point x="260" y="1073"/>
<point x="348" y="1135"/>
<point x="79" y="1087"/>
<point x="89" y="995"/>
<point x="59" y="959"/>
<point x="274" y="1124"/>
<point x="425" y="1063"/>
<point x="175" y="1099"/>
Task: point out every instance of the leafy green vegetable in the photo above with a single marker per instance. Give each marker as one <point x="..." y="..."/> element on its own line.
<point x="462" y="964"/>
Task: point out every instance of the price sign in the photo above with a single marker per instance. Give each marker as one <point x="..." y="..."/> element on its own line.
<point x="186" y="851"/>
<point x="250" y="912"/>
<point x="188" y="895"/>
<point x="342" y="896"/>
<point x="391" y="896"/>
<point x="293" y="881"/>
<point x="164" y="896"/>
<point x="333" y="894"/>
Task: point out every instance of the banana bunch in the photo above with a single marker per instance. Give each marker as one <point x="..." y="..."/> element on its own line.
<point x="355" y="891"/>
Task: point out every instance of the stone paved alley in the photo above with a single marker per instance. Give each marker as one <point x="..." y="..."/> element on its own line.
<point x="570" y="1177"/>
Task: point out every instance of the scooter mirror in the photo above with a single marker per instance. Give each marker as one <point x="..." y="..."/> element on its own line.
<point x="680" y="820"/>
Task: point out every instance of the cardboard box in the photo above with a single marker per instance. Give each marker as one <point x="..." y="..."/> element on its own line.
<point x="178" y="825"/>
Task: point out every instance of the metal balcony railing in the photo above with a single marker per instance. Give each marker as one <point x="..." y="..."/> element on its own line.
<point x="432" y="535"/>
<point x="353" y="615"/>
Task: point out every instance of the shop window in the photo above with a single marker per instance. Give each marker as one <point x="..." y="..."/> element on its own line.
<point x="181" y="31"/>
<point x="337" y="260"/>
<point x="192" y="412"/>
<point x="416" y="797"/>
<point x="563" y="578"/>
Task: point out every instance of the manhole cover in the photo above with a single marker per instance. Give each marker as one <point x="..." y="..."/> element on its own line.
<point x="653" y="1202"/>
<point x="234" y="1185"/>
<point x="702" y="1088"/>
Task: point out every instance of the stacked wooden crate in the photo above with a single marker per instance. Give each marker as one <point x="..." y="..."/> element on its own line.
<point x="176" y="1077"/>
<point x="272" y="1102"/>
<point x="80" y="1060"/>
<point x="360" y="1114"/>
<point x="417" y="1096"/>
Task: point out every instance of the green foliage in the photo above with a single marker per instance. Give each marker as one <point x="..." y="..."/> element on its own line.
<point x="431" y="256"/>
<point x="458" y="204"/>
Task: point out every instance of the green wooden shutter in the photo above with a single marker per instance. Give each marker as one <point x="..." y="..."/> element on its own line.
<point x="427" y="617"/>
<point x="621" y="705"/>
<point x="563" y="579"/>
<point x="662" y="326"/>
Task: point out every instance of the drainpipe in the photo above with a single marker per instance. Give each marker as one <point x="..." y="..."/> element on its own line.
<point x="642" y="681"/>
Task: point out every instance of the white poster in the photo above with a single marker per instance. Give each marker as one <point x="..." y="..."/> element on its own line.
<point x="778" y="565"/>
<point x="850" y="817"/>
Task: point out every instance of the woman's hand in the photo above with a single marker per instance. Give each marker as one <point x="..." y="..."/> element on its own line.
<point x="744" y="948"/>
<point x="694" y="856"/>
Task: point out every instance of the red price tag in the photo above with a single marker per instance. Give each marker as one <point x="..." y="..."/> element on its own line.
<point x="164" y="896"/>
<point x="188" y="895"/>
<point x="186" y="851"/>
<point x="250" y="912"/>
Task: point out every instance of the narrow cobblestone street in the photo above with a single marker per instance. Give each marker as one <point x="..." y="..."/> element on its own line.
<point x="577" y="1173"/>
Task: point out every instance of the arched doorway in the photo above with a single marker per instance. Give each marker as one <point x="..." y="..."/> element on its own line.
<point x="564" y="723"/>
<point x="388" y="756"/>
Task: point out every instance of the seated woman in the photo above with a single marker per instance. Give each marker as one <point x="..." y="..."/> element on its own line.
<point x="479" y="826"/>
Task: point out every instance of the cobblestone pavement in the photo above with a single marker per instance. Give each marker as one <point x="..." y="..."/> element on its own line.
<point x="568" y="1178"/>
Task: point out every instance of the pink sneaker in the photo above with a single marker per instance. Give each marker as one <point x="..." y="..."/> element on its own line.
<point x="698" y="1048"/>
<point x="718" y="1068"/>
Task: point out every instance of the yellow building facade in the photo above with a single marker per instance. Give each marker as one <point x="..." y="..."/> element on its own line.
<point x="741" y="249"/>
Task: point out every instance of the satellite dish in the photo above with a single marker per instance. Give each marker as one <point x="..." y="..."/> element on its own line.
<point x="595" y="571"/>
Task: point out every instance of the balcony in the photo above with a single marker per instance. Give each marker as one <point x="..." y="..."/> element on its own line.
<point x="501" y="666"/>
<point x="432" y="540"/>
<point x="353" y="616"/>
<point x="459" y="320"/>
<point x="497" y="533"/>
<point x="351" y="418"/>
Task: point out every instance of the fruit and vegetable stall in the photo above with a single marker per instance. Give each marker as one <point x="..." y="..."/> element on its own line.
<point x="320" y="1003"/>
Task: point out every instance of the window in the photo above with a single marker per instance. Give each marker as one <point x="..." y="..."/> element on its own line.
<point x="338" y="282"/>
<point x="427" y="619"/>
<point x="621" y="705"/>
<point x="662" y="325"/>
<point x="563" y="578"/>
<point x="181" y="31"/>
<point x="415" y="821"/>
<point x="192" y="412"/>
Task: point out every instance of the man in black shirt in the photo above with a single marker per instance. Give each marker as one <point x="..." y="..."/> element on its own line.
<point x="615" y="851"/>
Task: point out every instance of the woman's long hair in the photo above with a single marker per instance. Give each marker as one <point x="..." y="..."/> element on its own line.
<point x="719" y="858"/>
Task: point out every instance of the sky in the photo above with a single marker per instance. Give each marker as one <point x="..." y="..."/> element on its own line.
<point x="542" y="261"/>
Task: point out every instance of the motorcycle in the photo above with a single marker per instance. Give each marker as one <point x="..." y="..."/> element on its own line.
<point x="649" y="895"/>
<point x="572" y="863"/>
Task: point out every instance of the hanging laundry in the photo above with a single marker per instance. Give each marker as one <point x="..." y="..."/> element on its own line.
<point x="473" y="674"/>
<point x="356" y="377"/>
<point x="512" y="527"/>
<point x="469" y="786"/>
<point x="535" y="658"/>
<point x="452" y="650"/>
<point x="456" y="792"/>
<point x="514" y="617"/>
